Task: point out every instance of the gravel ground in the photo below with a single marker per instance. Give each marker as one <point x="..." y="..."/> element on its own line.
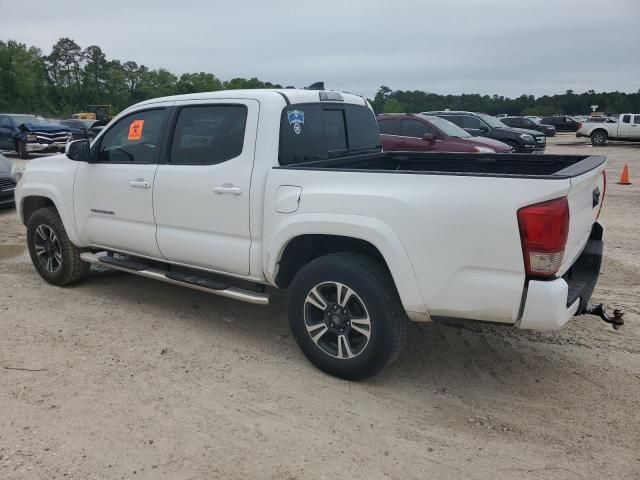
<point x="122" y="377"/>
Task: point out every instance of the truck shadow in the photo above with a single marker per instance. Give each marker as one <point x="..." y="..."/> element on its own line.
<point x="464" y="358"/>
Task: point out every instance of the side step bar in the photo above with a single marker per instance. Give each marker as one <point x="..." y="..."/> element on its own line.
<point x="191" y="281"/>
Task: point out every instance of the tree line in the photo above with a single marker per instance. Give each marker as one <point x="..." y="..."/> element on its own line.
<point x="70" y="78"/>
<point x="570" y="103"/>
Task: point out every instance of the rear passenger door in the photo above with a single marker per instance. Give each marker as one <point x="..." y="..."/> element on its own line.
<point x="201" y="194"/>
<point x="390" y="133"/>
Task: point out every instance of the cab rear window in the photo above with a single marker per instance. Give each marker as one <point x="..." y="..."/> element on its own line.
<point x="320" y="131"/>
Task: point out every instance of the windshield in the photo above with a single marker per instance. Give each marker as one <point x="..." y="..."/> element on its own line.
<point x="20" y="119"/>
<point x="493" y="122"/>
<point x="450" y="129"/>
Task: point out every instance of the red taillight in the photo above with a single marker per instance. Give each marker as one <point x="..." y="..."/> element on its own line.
<point x="604" y="191"/>
<point x="579" y="125"/>
<point x="544" y="228"/>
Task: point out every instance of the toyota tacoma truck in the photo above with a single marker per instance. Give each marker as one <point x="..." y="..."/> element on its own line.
<point x="626" y="128"/>
<point x="236" y="193"/>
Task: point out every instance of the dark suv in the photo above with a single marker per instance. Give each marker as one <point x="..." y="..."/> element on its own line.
<point x="562" y="123"/>
<point x="481" y="124"/>
<point x="529" y="123"/>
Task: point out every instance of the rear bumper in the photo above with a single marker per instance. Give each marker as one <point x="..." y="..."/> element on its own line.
<point x="549" y="305"/>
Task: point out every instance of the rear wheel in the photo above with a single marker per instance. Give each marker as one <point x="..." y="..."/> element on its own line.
<point x="56" y="259"/>
<point x="599" y="138"/>
<point x="346" y="315"/>
<point x="22" y="150"/>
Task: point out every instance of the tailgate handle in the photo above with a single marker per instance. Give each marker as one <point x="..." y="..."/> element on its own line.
<point x="596" y="197"/>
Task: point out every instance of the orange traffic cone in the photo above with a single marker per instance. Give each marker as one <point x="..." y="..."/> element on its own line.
<point x="624" y="177"/>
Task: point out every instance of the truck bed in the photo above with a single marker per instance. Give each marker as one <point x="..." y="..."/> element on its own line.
<point x="469" y="164"/>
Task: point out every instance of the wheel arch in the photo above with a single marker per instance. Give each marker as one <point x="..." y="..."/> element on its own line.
<point x="32" y="198"/>
<point x="302" y="238"/>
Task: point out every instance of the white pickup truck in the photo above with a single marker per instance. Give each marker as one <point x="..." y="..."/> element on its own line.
<point x="237" y="192"/>
<point x="626" y="128"/>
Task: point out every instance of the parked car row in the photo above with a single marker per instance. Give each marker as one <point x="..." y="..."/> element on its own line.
<point x="31" y="134"/>
<point x="26" y="134"/>
<point x="419" y="132"/>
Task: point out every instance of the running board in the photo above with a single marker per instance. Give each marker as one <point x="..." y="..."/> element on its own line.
<point x="190" y="281"/>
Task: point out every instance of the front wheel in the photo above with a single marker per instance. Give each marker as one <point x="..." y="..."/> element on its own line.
<point x="56" y="259"/>
<point x="514" y="145"/>
<point x="598" y="138"/>
<point x="346" y="315"/>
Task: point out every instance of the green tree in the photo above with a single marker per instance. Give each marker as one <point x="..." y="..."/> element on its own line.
<point x="391" y="105"/>
<point x="198" y="82"/>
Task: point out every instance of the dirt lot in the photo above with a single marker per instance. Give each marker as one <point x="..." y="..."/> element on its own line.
<point x="128" y="378"/>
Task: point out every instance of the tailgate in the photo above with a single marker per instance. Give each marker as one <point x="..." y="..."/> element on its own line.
<point x="585" y="199"/>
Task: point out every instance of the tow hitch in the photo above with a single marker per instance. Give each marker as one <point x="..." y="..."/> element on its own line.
<point x="600" y="310"/>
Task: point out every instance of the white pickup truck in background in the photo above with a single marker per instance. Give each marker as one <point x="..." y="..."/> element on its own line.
<point x="237" y="192"/>
<point x="627" y="128"/>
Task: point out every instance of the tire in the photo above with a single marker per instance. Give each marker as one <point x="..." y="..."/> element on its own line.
<point x="369" y="347"/>
<point x="599" y="138"/>
<point x="514" y="145"/>
<point x="22" y="150"/>
<point x="56" y="259"/>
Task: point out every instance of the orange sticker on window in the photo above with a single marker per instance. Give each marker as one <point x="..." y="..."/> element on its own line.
<point x="135" y="130"/>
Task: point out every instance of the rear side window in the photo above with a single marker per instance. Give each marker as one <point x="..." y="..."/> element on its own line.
<point x="389" y="126"/>
<point x="320" y="131"/>
<point x="136" y="138"/>
<point x="626" y="118"/>
<point x="636" y="119"/>
<point x="206" y="135"/>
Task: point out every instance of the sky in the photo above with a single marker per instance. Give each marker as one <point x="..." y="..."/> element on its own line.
<point x="505" y="47"/>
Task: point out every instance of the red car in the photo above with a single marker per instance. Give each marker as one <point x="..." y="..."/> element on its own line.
<point x="416" y="132"/>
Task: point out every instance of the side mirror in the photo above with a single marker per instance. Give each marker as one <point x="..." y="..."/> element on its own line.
<point x="483" y="128"/>
<point x="428" y="137"/>
<point x="78" y="150"/>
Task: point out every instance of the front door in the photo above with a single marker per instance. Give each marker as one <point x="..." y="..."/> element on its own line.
<point x="412" y="131"/>
<point x="201" y="195"/>
<point x="113" y="195"/>
<point x="629" y="126"/>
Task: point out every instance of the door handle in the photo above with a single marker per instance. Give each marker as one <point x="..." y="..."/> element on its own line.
<point x="227" y="188"/>
<point x="140" y="183"/>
